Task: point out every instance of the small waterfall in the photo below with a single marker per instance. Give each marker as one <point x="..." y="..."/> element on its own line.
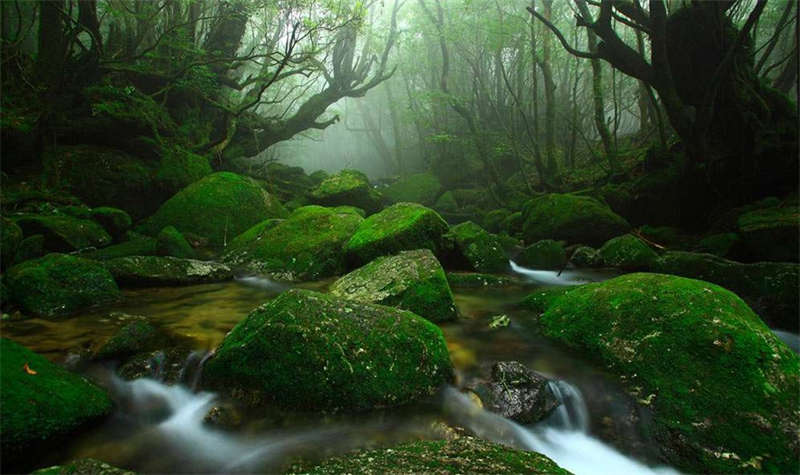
<point x="262" y="283"/>
<point x="572" y="413"/>
<point x="792" y="340"/>
<point x="192" y="368"/>
<point x="551" y="277"/>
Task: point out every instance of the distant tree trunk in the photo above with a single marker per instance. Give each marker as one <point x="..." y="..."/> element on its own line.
<point x="544" y="176"/>
<point x="396" y="132"/>
<point x="788" y="76"/>
<point x="52" y="48"/>
<point x="549" y="96"/>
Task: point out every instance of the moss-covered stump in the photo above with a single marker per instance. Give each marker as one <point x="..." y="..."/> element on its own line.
<point x="10" y="239"/>
<point x="114" y="220"/>
<point x="422" y="188"/>
<point x="400" y="227"/>
<point x="137" y="271"/>
<point x="137" y="245"/>
<point x="306" y="246"/>
<point x="218" y="207"/>
<point x="136" y="337"/>
<point x="723" y="389"/>
<point x="544" y="254"/>
<point x="461" y="455"/>
<point x="170" y="242"/>
<point x="477" y="249"/>
<point x="348" y="187"/>
<point x="585" y="256"/>
<point x="771" y="234"/>
<point x="42" y="403"/>
<point x="58" y="284"/>
<point x="83" y="467"/>
<point x="475" y="279"/>
<point x="411" y="280"/>
<point x="627" y="252"/>
<point x="572" y="218"/>
<point x="311" y="351"/>
<point x="772" y="289"/>
<point x="64" y="233"/>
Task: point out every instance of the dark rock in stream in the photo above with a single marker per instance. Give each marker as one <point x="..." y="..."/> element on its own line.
<point x="517" y="393"/>
<point x="156" y="270"/>
<point x="136" y="337"/>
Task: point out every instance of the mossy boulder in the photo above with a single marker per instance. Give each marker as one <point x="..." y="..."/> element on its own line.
<point x="42" y="403"/>
<point x="58" y="284"/>
<point x="772" y="234"/>
<point x="720" y="244"/>
<point x="83" y="467"/>
<point x="627" y="252"/>
<point x="114" y="220"/>
<point x="512" y="224"/>
<point x="400" y="227"/>
<point x="446" y="203"/>
<point x="544" y="254"/>
<point x="493" y="220"/>
<point x="137" y="245"/>
<point x="179" y="168"/>
<point x="461" y="455"/>
<point x="585" y="256"/>
<point x="30" y="248"/>
<point x="717" y="380"/>
<point x="771" y="288"/>
<point x="410" y="280"/>
<point x="307" y="245"/>
<point x="10" y="239"/>
<point x="348" y="187"/>
<point x="572" y="218"/>
<point x="477" y="249"/>
<point x="170" y="242"/>
<point x="160" y="270"/>
<point x="64" y="233"/>
<point x="312" y="351"/>
<point x="218" y="207"/>
<point x="422" y="188"/>
<point x="139" y="336"/>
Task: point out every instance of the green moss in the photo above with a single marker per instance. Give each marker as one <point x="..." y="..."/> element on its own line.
<point x="58" y="284"/>
<point x="544" y="254"/>
<point x="720" y="244"/>
<point x="136" y="337"/>
<point x="218" y="207"/>
<point x="83" y="467"/>
<point x="318" y="176"/>
<point x="348" y="187"/>
<point x="170" y="242"/>
<point x="772" y="233"/>
<point x="513" y="223"/>
<point x="411" y="280"/>
<point x="462" y="455"/>
<point x="575" y="219"/>
<point x="157" y="270"/>
<point x="306" y="246"/>
<point x="114" y="220"/>
<point x="446" y="203"/>
<point x="41" y="407"/>
<point x="493" y="220"/>
<point x="585" y="256"/>
<point x="482" y="251"/>
<point x="308" y="350"/>
<point x="474" y="279"/>
<point x="400" y="227"/>
<point x="137" y="246"/>
<point x="64" y="233"/>
<point x="180" y="168"/>
<point x="422" y="188"/>
<point x="30" y="248"/>
<point x="717" y="379"/>
<point x="627" y="252"/>
<point x="351" y="209"/>
<point x="10" y="240"/>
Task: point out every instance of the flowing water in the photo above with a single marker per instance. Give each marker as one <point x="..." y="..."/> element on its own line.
<point x="160" y="428"/>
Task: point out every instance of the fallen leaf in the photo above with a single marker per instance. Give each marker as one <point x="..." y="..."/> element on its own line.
<point x="28" y="369"/>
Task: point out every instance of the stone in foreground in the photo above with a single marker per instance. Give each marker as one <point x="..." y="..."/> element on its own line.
<point x="517" y="393"/>
<point x="312" y="351"/>
<point x="476" y="249"/>
<point x="411" y="280"/>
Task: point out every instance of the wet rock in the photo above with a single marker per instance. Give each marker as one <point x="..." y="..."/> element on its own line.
<point x="411" y="280"/>
<point x="627" y="252"/>
<point x="170" y="365"/>
<point x="307" y="245"/>
<point x="311" y="351"/>
<point x="517" y="393"/>
<point x="499" y="321"/>
<point x="572" y="218"/>
<point x="348" y="187"/>
<point x="223" y="416"/>
<point x="42" y="402"/>
<point x="138" y="336"/>
<point x="476" y="249"/>
<point x="157" y="270"/>
<point x="58" y="284"/>
<point x="400" y="227"/>
<point x="83" y="467"/>
<point x="544" y="254"/>
<point x="585" y="256"/>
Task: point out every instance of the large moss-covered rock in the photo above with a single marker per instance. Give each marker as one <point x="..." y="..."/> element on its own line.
<point x="585" y="256"/>
<point x="422" y="188"/>
<point x="772" y="233"/>
<point x="572" y="218"/>
<point x="478" y="249"/>
<point x="400" y="227"/>
<point x="179" y="168"/>
<point x="348" y="187"/>
<point x="771" y="288"/>
<point x="114" y="220"/>
<point x="627" y="252"/>
<point x="58" y="284"/>
<point x="83" y="467"/>
<point x="10" y="239"/>
<point x="722" y="387"/>
<point x="159" y="270"/>
<point x="411" y="280"/>
<point x="446" y="203"/>
<point x="64" y="233"/>
<point x="493" y="220"/>
<point x="544" y="254"/>
<point x="137" y="245"/>
<point x="170" y="242"/>
<point x="139" y="336"/>
<point x="218" y="207"/>
<point x="461" y="455"/>
<point x="42" y="403"/>
<point x="30" y="248"/>
<point x="308" y="245"/>
<point x="308" y="350"/>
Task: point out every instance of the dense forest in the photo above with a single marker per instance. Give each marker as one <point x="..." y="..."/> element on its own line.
<point x="449" y="236"/>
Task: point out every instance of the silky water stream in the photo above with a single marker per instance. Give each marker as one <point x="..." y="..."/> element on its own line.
<point x="159" y="428"/>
